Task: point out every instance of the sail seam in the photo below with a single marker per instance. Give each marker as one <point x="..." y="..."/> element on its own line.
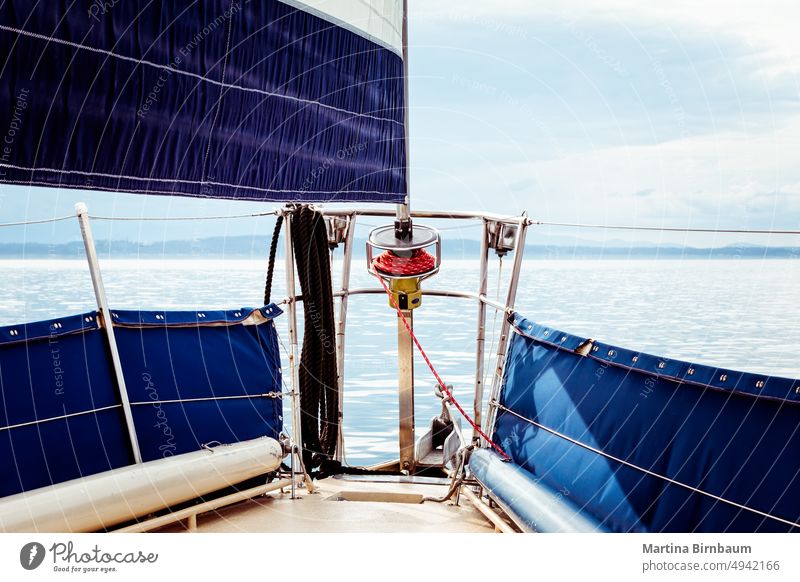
<point x="365" y="193"/>
<point x="190" y="74"/>
<point x="175" y="180"/>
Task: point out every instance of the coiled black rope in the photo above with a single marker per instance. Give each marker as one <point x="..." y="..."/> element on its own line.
<point x="273" y="249"/>
<point x="319" y="390"/>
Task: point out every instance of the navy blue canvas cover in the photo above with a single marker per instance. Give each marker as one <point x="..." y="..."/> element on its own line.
<point x="215" y="99"/>
<point x="649" y="444"/>
<point x="193" y="378"/>
<point x="198" y="377"/>
<point x="51" y="369"/>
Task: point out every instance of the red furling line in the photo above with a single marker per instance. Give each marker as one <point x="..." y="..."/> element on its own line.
<point x="430" y="365"/>
<point x="418" y="263"/>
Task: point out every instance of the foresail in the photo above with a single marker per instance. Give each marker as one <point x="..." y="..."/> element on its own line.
<point x="268" y="100"/>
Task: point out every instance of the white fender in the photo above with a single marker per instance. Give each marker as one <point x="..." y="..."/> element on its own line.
<point x="112" y="497"/>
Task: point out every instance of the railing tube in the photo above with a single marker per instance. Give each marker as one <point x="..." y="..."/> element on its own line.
<point x="291" y="308"/>
<point x="341" y="323"/>
<point x="108" y="326"/>
<point x="505" y="329"/>
<point x="480" y="336"/>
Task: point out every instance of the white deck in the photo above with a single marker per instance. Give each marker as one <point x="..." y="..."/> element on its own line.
<point x="373" y="507"/>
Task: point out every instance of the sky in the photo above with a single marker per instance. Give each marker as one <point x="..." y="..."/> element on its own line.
<point x="613" y="112"/>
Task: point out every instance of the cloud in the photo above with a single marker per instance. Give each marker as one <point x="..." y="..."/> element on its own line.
<point x="640" y="79"/>
<point x="772" y="26"/>
<point x="674" y="115"/>
<point x="728" y="179"/>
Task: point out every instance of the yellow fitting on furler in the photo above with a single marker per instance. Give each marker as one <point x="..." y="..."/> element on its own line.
<point x="406" y="292"/>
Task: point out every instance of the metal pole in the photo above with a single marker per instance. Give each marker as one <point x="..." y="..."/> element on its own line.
<point x="448" y="215"/>
<point x="403" y="211"/>
<point x="405" y="348"/>
<point x="204" y="507"/>
<point x="105" y="316"/>
<point x="340" y="329"/>
<point x="506" y="327"/>
<point x="293" y="370"/>
<point x="405" y="377"/>
<point x="481" y="333"/>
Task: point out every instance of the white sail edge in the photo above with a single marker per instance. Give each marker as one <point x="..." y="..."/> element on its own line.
<point x="381" y="21"/>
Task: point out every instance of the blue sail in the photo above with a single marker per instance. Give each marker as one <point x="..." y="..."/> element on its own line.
<point x="269" y="100"/>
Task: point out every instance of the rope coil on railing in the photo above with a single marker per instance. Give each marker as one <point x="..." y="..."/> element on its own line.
<point x="319" y="388"/>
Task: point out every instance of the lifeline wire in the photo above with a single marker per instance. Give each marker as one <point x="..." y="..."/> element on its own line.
<point x="38" y="221"/>
<point x="665" y="228"/>
<point x="642" y="469"/>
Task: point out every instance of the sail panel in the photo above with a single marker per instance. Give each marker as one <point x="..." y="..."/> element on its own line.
<point x="280" y="101"/>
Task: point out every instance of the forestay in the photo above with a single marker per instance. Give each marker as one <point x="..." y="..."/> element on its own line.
<point x="269" y="100"/>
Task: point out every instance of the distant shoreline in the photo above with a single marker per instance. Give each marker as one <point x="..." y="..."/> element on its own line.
<point x="244" y="247"/>
<point x="530" y="254"/>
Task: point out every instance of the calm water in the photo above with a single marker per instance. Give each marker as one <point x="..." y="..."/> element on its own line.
<point x="736" y="314"/>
